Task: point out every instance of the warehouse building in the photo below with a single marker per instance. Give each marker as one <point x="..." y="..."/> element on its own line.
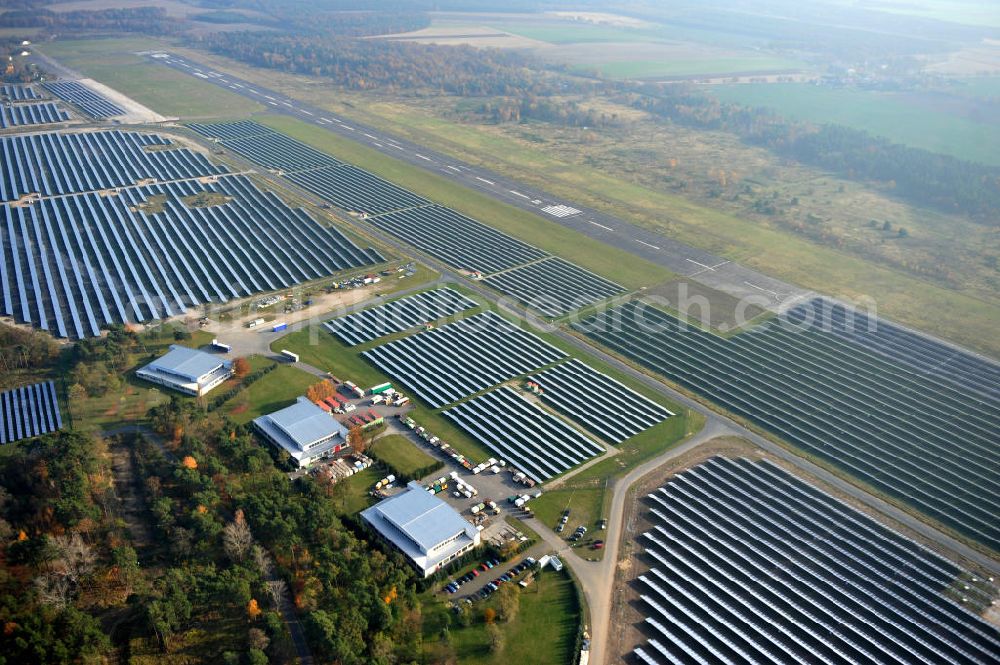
<point x="303" y="430"/>
<point x="185" y="370"/>
<point x="423" y="527"/>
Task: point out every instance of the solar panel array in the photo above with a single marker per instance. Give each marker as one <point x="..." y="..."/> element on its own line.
<point x="90" y="102"/>
<point x="752" y="565"/>
<point x="922" y="354"/>
<point x="29" y="411"/>
<point x="553" y="286"/>
<point x="63" y="163"/>
<point x="444" y="365"/>
<point x="398" y="315"/>
<point x="535" y="442"/>
<point x="42" y="113"/>
<point x="604" y="406"/>
<point x="449" y="236"/>
<point x="924" y="441"/>
<point x="457" y="240"/>
<point x="14" y="92"/>
<point x="72" y="265"/>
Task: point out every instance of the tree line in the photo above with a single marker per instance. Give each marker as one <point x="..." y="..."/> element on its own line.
<point x="147" y="20"/>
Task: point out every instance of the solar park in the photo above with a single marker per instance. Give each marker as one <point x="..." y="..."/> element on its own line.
<point x="752" y="565"/>
<point x="73" y="264"/>
<point x="42" y="113"/>
<point x="457" y="240"/>
<point x="29" y="411"/>
<point x="537" y="443"/>
<point x="553" y="286"/>
<point x="90" y="102"/>
<point x="919" y="437"/>
<point x="52" y="163"/>
<point x="602" y="405"/>
<point x="398" y="315"/>
<point x="443" y="365"/>
<point x="461" y="242"/>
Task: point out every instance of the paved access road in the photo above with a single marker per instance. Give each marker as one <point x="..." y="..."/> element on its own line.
<point x="702" y="266"/>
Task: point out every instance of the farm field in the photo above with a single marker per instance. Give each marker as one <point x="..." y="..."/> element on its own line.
<point x="114" y="63"/>
<point x="735" y="543"/>
<point x="932" y="120"/>
<point x="692" y="66"/>
<point x="818" y="391"/>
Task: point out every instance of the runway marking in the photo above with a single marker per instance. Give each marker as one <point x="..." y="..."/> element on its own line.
<point x="237" y="84"/>
<point x="428" y="159"/>
<point x="350" y="129"/>
<point x="488" y="182"/>
<point x="253" y="92"/>
<point x="606" y="228"/>
<point x="397" y="147"/>
<point x="561" y="210"/>
<point x="378" y="144"/>
<point x="761" y="288"/>
<point x="287" y="104"/>
<point x="523" y="196"/>
<point x="371" y="137"/>
<point x="273" y="103"/>
<point x="233" y="87"/>
<point x="454" y="169"/>
<point x="700" y="265"/>
<point x="324" y="121"/>
<point x="306" y="112"/>
<point x="269" y="97"/>
<point x="643" y="242"/>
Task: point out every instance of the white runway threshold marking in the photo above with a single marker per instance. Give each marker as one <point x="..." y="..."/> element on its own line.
<point x="606" y="228"/>
<point x="561" y="210"/>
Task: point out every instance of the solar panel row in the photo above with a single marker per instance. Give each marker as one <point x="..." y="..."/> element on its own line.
<point x="54" y="163"/>
<point x="861" y="410"/>
<point x="90" y="102"/>
<point x="72" y="265"/>
<point x="604" y="406"/>
<point x="924" y="355"/>
<point x="752" y="565"/>
<point x="29" y="411"/>
<point x="454" y="361"/>
<point x="42" y="113"/>
<point x="398" y="315"/>
<point x="15" y="92"/>
<point x="553" y="286"/>
<point x="240" y="129"/>
<point x="535" y="442"/>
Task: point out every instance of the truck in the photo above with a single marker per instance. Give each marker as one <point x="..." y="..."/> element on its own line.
<point x="294" y="357"/>
<point x="381" y="388"/>
<point x="402" y="400"/>
<point x="353" y="387"/>
<point x="278" y="327"/>
<point x="255" y="323"/>
<point x="221" y="347"/>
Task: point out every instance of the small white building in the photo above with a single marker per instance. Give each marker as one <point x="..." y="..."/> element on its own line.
<point x="305" y="431"/>
<point x="423" y="527"/>
<point x="185" y="370"/>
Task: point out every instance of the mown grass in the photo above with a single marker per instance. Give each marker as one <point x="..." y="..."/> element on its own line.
<point x="543" y="632"/>
<point x="625" y="268"/>
<point x="401" y="454"/>
<point x="168" y="92"/>
<point x="275" y="390"/>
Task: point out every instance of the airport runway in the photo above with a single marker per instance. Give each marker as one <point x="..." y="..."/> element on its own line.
<point x="697" y="264"/>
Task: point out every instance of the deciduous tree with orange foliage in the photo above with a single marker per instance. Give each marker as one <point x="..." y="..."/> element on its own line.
<point x="320" y="391"/>
<point x="356" y="440"/>
<point x="241" y="367"/>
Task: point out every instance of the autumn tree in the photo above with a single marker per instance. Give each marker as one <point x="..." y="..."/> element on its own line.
<point x="241" y="367"/>
<point x="320" y="391"/>
<point x="236" y="538"/>
<point x="509" y="601"/>
<point x="356" y="440"/>
<point x="496" y="637"/>
<point x="489" y="615"/>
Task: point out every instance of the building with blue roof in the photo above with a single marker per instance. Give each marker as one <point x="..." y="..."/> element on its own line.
<point x="185" y="370"/>
<point x="423" y="527"/>
<point x="305" y="431"/>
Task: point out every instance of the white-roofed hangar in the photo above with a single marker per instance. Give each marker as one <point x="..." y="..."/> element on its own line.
<point x="423" y="527"/>
<point x="305" y="431"/>
<point x="185" y="370"/>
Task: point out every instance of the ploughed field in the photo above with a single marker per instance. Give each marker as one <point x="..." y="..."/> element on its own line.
<point x="911" y="417"/>
<point x="752" y="565"/>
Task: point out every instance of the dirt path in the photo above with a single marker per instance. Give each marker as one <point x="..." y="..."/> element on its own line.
<point x="129" y="492"/>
